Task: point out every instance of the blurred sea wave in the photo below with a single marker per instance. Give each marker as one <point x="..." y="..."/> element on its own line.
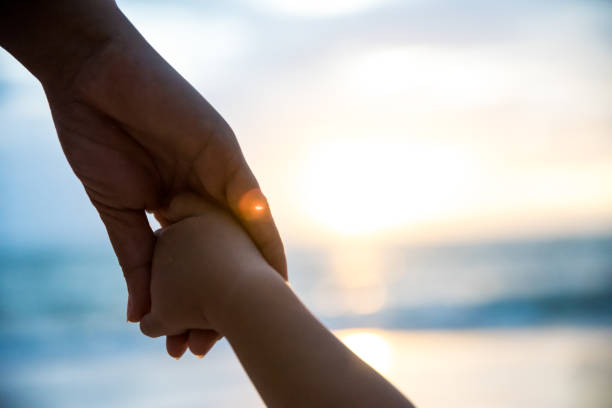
<point x="562" y="281"/>
<point x="63" y="307"/>
<point x="46" y="292"/>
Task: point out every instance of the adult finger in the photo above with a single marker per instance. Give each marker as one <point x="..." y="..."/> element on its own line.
<point x="163" y="221"/>
<point x="201" y="341"/>
<point x="251" y="207"/>
<point x="133" y="242"/>
<point x="176" y="345"/>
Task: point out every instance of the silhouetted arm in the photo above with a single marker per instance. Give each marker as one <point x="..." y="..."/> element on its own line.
<point x="292" y="359"/>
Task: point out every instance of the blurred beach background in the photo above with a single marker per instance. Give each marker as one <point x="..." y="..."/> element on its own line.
<point x="441" y="173"/>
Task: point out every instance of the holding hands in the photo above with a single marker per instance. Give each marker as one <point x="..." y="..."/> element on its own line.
<point x="140" y="138"/>
<point x="134" y="132"/>
<point x="201" y="258"/>
<point x="207" y="274"/>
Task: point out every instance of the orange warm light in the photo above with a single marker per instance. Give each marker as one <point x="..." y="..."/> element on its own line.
<point x="252" y="204"/>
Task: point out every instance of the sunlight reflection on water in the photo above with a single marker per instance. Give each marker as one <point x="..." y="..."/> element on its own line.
<point x="370" y="347"/>
<point x="356" y="281"/>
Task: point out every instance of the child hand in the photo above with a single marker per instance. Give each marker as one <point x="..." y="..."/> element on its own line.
<point x="194" y="273"/>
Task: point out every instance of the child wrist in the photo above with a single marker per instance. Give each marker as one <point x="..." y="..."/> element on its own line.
<point x="222" y="309"/>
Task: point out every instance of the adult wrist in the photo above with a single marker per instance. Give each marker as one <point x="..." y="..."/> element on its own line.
<point x="55" y="39"/>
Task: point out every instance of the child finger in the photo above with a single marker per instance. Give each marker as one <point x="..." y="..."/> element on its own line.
<point x="176" y="345"/>
<point x="201" y="341"/>
<point x="151" y="326"/>
<point x="184" y="206"/>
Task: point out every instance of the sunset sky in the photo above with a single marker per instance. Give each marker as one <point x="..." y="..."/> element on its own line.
<point x="400" y="121"/>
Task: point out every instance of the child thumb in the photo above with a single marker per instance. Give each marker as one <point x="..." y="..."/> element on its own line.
<point x="151" y="326"/>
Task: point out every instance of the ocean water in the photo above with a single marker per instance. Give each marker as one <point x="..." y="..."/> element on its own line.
<point x="64" y="341"/>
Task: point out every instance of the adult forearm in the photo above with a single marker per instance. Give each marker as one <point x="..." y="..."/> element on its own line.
<point x="53" y="39"/>
<point x="292" y="359"/>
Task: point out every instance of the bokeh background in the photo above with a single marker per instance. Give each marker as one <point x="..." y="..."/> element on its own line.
<point x="441" y="172"/>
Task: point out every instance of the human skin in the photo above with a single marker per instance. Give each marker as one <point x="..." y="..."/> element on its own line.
<point x="134" y="132"/>
<point x="220" y="281"/>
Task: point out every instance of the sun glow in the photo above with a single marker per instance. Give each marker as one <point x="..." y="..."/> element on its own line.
<point x="357" y="187"/>
<point x="426" y="77"/>
<point x="252" y="204"/>
<point x="370" y="347"/>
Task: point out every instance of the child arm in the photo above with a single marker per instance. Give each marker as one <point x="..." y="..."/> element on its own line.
<point x="224" y="284"/>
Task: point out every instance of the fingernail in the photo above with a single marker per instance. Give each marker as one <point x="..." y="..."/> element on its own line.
<point x="176" y="358"/>
<point x="199" y="355"/>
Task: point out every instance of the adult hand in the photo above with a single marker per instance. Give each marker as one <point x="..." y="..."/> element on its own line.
<point x="135" y="133"/>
